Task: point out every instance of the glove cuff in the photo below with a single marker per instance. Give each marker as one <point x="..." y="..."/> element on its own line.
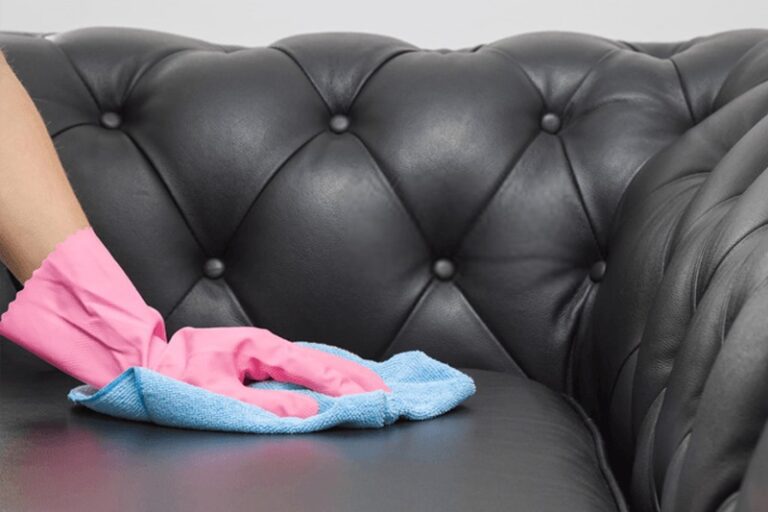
<point x="80" y="312"/>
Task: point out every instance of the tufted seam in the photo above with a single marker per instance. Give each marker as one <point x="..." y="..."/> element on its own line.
<point x="602" y="459"/>
<point x="626" y="45"/>
<point x="683" y="89"/>
<point x="588" y="74"/>
<point x="722" y="329"/>
<point x="673" y="359"/>
<point x="391" y="185"/>
<point x="495" y="338"/>
<point x="367" y="78"/>
<point x="71" y="127"/>
<point x="597" y="106"/>
<point x="235" y="300"/>
<point x="730" y="72"/>
<point x="580" y="196"/>
<point x="679" y="48"/>
<point x="677" y="179"/>
<point x="576" y="345"/>
<point x="694" y="307"/>
<point x="306" y="75"/>
<point x="652" y="468"/>
<point x="183" y="297"/>
<point x="760" y="227"/>
<point x="269" y="180"/>
<point x="168" y="189"/>
<point x="138" y="78"/>
<point x="713" y="207"/>
<point x="519" y="67"/>
<point x="652" y="491"/>
<point x="623" y="364"/>
<point x="420" y="298"/>
<point x="74" y="68"/>
<point x="664" y="250"/>
<point x="360" y="86"/>
<point x="495" y="190"/>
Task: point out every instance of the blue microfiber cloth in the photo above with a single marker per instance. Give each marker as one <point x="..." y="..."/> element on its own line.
<point x="422" y="388"/>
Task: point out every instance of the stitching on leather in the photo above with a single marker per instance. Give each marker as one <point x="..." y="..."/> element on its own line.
<point x="588" y="74"/>
<point x="580" y="196"/>
<point x="724" y="319"/>
<point x="689" y="432"/>
<point x="422" y="233"/>
<point x="168" y="189"/>
<point x="602" y="104"/>
<point x="683" y="90"/>
<point x="520" y="68"/>
<point x="137" y="79"/>
<point x="229" y="291"/>
<point x="496" y="338"/>
<point x="615" y="223"/>
<point x="367" y="78"/>
<point x="269" y="180"/>
<point x="306" y="75"/>
<point x="760" y="227"/>
<point x="602" y="460"/>
<point x="631" y="46"/>
<point x="67" y="128"/>
<point x="182" y="298"/>
<point x="576" y="344"/>
<point x="71" y="64"/>
<point x="703" y="216"/>
<point x="623" y="364"/>
<point x="723" y="201"/>
<point x="695" y="299"/>
<point x="411" y="311"/>
<point x="495" y="191"/>
<point x="722" y="334"/>
<point x="673" y="235"/>
<point x="391" y="185"/>
<point x="654" y="493"/>
<point x="682" y="177"/>
<point x="678" y="446"/>
<point x="716" y="96"/>
<point x="664" y="251"/>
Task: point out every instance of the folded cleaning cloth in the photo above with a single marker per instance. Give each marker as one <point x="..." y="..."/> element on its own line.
<point x="422" y="388"/>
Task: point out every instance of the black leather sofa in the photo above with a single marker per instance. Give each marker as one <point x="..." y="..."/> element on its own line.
<point x="577" y="221"/>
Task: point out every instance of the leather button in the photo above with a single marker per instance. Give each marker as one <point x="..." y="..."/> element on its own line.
<point x="597" y="271"/>
<point x="550" y="123"/>
<point x="213" y="268"/>
<point x="443" y="269"/>
<point x="339" y="123"/>
<point x="111" y="119"/>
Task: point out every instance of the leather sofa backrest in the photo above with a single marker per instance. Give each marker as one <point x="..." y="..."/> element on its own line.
<point x="585" y="212"/>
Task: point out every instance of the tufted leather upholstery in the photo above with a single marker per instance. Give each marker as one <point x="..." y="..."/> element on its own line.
<point x="584" y="212"/>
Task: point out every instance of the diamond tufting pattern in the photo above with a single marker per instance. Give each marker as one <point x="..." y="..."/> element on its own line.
<point x="584" y="212"/>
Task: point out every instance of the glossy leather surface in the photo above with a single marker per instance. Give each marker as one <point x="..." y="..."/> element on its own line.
<point x="481" y="456"/>
<point x="584" y="212"/>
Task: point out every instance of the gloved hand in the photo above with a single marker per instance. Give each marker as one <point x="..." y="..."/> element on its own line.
<point x="80" y="312"/>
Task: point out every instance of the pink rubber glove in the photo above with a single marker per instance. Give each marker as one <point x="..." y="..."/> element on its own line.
<point x="80" y="312"/>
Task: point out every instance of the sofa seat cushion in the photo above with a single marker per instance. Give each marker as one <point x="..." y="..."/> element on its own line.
<point x="515" y="445"/>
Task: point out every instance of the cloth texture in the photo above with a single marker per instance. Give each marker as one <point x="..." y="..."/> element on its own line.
<point x="422" y="388"/>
